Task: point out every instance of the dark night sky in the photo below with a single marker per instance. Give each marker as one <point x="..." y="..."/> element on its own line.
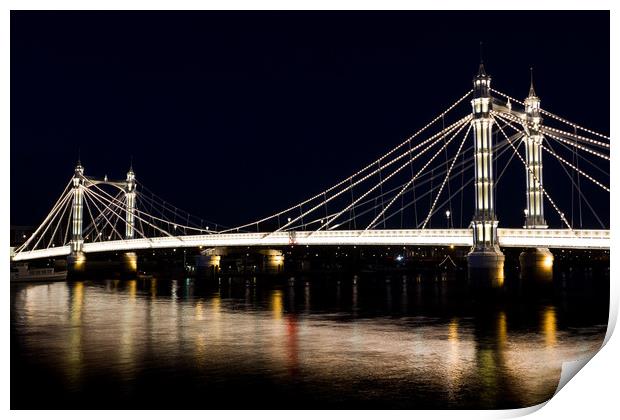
<point x="232" y="116"/>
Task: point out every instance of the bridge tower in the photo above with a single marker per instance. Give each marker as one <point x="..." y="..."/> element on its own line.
<point x="485" y="260"/>
<point x="130" y="203"/>
<point x="76" y="260"/>
<point x="535" y="218"/>
<point x="534" y="261"/>
<point x="129" y="260"/>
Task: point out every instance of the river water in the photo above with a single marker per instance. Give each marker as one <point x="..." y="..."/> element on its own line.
<point x="396" y="342"/>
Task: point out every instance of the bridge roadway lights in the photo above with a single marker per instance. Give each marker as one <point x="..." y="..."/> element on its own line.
<point x="537" y="265"/>
<point x="76" y="262"/>
<point x="486" y="269"/>
<point x="129" y="263"/>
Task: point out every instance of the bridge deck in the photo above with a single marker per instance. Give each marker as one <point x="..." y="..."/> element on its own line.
<point x="518" y="238"/>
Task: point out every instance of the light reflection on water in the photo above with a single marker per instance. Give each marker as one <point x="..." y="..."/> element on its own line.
<point x="341" y="345"/>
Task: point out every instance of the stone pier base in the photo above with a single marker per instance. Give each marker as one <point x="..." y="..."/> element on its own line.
<point x="76" y="262"/>
<point x="537" y="265"/>
<point x="486" y="269"/>
<point x="273" y="260"/>
<point x="209" y="261"/>
<point x="129" y="263"/>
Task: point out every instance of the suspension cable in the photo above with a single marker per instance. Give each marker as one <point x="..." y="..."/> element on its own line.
<point x="578" y="190"/>
<point x="364" y="169"/>
<point x="545" y="112"/>
<point x="420" y="171"/>
<point x="600" y="184"/>
<point x="435" y="139"/>
<point x="494" y="114"/>
<point x="446" y="178"/>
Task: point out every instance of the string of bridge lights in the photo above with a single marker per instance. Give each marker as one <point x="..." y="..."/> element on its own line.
<point x="575" y="168"/>
<point x="111" y="209"/>
<point x="66" y="208"/>
<point x="64" y="201"/>
<point x="500" y="148"/>
<point x="578" y="188"/>
<point x="538" y="183"/>
<point x="156" y="200"/>
<point x="600" y="184"/>
<point x="412" y="180"/>
<point x="583" y="158"/>
<point x="122" y="208"/>
<point x="364" y="169"/>
<point x="546" y="128"/>
<point x="443" y="184"/>
<point x="587" y="130"/>
<point x="139" y="212"/>
<point x="46" y="219"/>
<point x="560" y="132"/>
<point x="437" y="175"/>
<point x="437" y="137"/>
<point x="394" y="173"/>
<point x="87" y="196"/>
<point x="552" y="115"/>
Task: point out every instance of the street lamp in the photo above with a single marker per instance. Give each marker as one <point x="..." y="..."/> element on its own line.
<point x="448" y="218"/>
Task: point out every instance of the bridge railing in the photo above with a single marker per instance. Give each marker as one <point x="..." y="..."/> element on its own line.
<point x="555" y="238"/>
<point x="520" y="238"/>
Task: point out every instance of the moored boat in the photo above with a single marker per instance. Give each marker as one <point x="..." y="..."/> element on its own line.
<point x="22" y="272"/>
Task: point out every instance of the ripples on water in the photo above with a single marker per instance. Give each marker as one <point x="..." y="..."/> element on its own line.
<point x="159" y="343"/>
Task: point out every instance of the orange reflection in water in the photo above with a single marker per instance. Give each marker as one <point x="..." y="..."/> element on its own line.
<point x="116" y="331"/>
<point x="277" y="308"/>
<point x="74" y="353"/>
<point x="502" y="329"/>
<point x="549" y="326"/>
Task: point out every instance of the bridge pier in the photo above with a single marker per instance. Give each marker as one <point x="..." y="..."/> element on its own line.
<point x="537" y="265"/>
<point x="209" y="261"/>
<point x="76" y="262"/>
<point x="486" y="268"/>
<point x="273" y="261"/>
<point x="129" y="263"/>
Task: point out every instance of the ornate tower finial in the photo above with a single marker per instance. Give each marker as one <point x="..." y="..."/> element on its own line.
<point x="481" y="71"/>
<point x="79" y="169"/>
<point x="532" y="91"/>
<point x="130" y="163"/>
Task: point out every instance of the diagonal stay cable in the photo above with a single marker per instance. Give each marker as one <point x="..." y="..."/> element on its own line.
<point x="434" y="139"/>
<point x="579" y="190"/>
<point x="361" y="171"/>
<point x="531" y="172"/>
<point x="600" y="184"/>
<point x="446" y="143"/>
<point x="446" y="178"/>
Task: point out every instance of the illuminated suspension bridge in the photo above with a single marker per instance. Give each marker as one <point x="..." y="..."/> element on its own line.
<point x="418" y="193"/>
